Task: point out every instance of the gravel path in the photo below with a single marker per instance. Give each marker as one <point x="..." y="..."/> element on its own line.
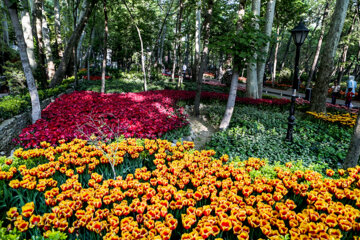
<point x="201" y="132"/>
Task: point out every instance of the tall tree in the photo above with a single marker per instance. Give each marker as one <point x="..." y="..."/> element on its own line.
<point x="270" y="12"/>
<point x="39" y="38"/>
<point x="34" y="96"/>
<point x="178" y="42"/>
<point x="204" y="55"/>
<point x="141" y="44"/>
<point x="225" y="122"/>
<point x="106" y="32"/>
<point x="346" y="44"/>
<point x="318" y="48"/>
<point x="353" y="153"/>
<point x="74" y="39"/>
<point x="5" y="26"/>
<point x="197" y="38"/>
<point x="57" y="26"/>
<point x="277" y="46"/>
<point x="318" y="101"/>
<point x="47" y="46"/>
<point x="252" y="78"/>
<point x="28" y="33"/>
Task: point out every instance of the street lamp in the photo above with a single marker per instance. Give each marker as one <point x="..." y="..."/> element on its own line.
<point x="299" y="34"/>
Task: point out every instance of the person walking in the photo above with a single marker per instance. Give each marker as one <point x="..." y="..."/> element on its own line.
<point x="184" y="68"/>
<point x="351" y="83"/>
<point x="349" y="96"/>
<point x="335" y="92"/>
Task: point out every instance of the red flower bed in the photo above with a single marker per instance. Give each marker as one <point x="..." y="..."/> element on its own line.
<point x="96" y="78"/>
<point x="143" y="115"/>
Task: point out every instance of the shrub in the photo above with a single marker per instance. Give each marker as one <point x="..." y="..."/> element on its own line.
<point x="15" y="77"/>
<point x="261" y="132"/>
<point x="11" y="106"/>
<point x="284" y="76"/>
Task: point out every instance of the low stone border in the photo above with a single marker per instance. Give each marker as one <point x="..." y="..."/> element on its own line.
<point x="11" y="128"/>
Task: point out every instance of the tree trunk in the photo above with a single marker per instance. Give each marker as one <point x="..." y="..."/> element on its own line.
<point x="57" y="26"/>
<point x="286" y="53"/>
<point x="40" y="42"/>
<point x="342" y="63"/>
<point x="178" y="41"/>
<point x="252" y="78"/>
<point x="270" y="11"/>
<point x="345" y="49"/>
<point x="141" y="45"/>
<point x="75" y="36"/>
<point x="34" y="96"/>
<point x="225" y="122"/>
<point x="277" y="45"/>
<point x="161" y="53"/>
<point x="5" y="26"/>
<point x="79" y="51"/>
<point x="353" y="153"/>
<point x="48" y="53"/>
<point x="92" y="36"/>
<point x="197" y="41"/>
<point x="29" y="39"/>
<point x="318" y="101"/>
<point x="318" y="48"/>
<point x="106" y="32"/>
<point x="204" y="55"/>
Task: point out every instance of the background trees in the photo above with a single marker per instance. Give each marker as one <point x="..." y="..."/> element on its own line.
<point x="151" y="36"/>
<point x="172" y="33"/>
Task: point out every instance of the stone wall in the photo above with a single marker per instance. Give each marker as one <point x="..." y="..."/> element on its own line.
<point x="11" y="128"/>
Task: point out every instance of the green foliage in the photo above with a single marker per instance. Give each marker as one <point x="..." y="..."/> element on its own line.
<point x="284" y="76"/>
<point x="54" y="235"/>
<point x="127" y="82"/>
<point x="177" y="133"/>
<point x="242" y="44"/>
<point x="261" y="133"/>
<point x="8" y="235"/>
<point x="15" y="77"/>
<point x="13" y="105"/>
<point x="269" y="172"/>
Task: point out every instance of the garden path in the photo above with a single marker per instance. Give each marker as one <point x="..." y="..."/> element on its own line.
<point x="201" y="130"/>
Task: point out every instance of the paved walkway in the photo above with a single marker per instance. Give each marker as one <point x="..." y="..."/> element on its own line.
<point x="287" y="94"/>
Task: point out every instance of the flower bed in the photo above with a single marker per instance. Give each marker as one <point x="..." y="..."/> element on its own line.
<point x="144" y="115"/>
<point x="329" y="106"/>
<point x="346" y="119"/>
<point x="188" y="195"/>
<point x="96" y="78"/>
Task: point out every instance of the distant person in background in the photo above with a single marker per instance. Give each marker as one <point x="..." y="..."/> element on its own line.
<point x="351" y="83"/>
<point x="184" y="70"/>
<point x="349" y="96"/>
<point x="335" y="92"/>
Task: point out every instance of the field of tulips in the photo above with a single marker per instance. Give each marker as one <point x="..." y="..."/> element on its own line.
<point x="346" y="119"/>
<point x="173" y="192"/>
<point x="143" y="115"/>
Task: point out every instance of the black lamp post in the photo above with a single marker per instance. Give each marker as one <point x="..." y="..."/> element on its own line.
<point x="299" y="34"/>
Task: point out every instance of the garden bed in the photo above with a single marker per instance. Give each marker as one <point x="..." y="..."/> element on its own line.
<point x="260" y="132"/>
<point x="83" y="191"/>
<point x="143" y="115"/>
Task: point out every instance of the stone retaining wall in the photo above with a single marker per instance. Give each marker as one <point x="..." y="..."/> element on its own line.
<point x="11" y="128"/>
